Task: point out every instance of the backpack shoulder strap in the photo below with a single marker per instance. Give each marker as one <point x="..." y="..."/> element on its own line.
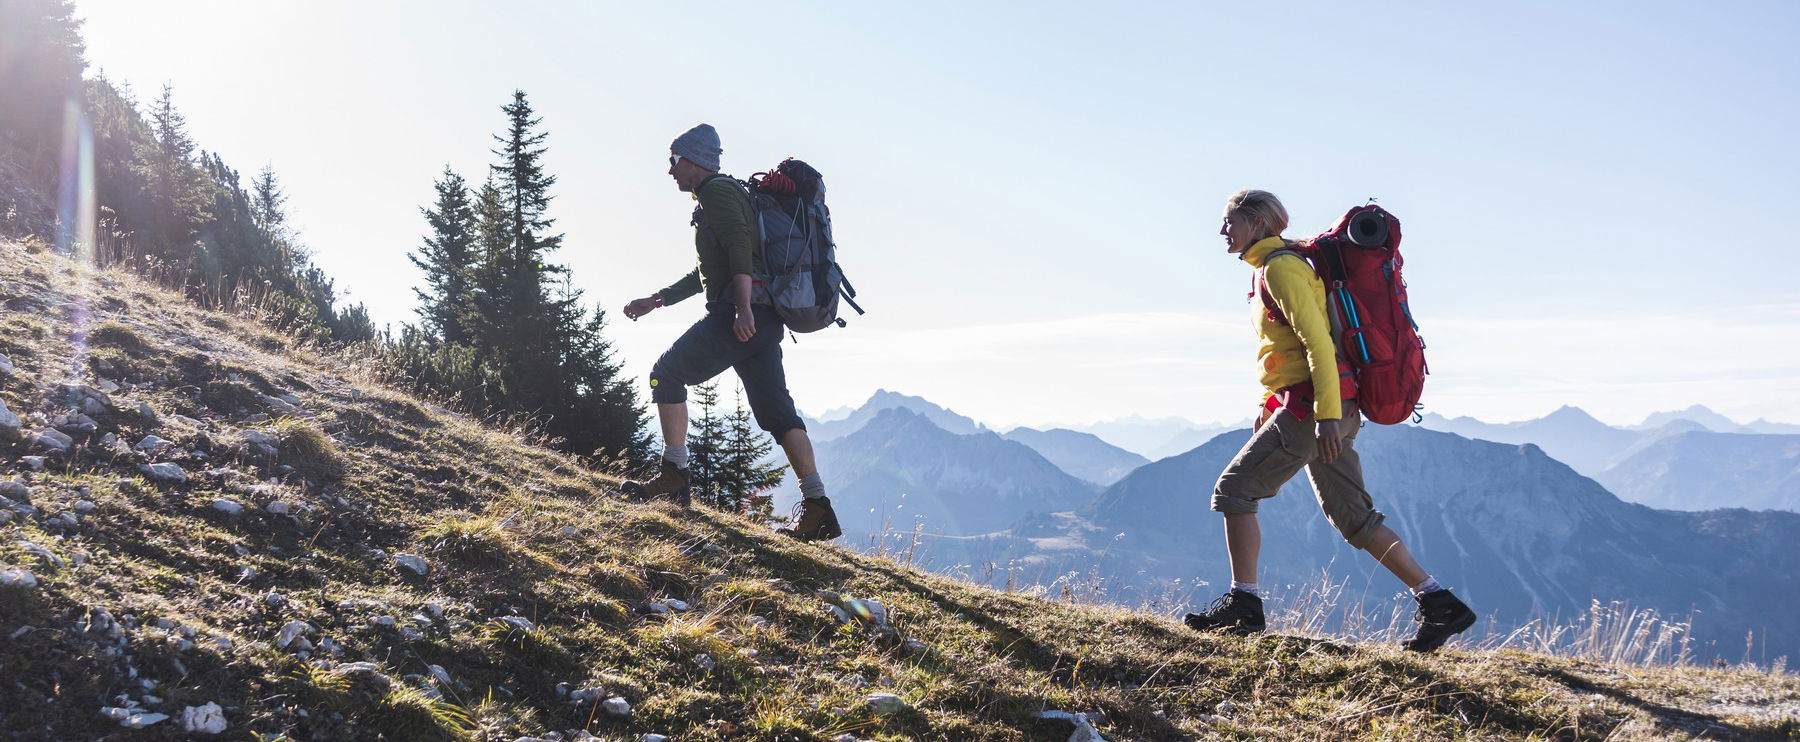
<point x="1262" y="285"/>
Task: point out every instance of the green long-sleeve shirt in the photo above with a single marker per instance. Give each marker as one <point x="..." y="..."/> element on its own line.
<point x="726" y="237"/>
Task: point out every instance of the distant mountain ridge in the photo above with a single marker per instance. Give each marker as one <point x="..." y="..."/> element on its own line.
<point x="902" y="468"/>
<point x="1083" y="455"/>
<point x="1704" y="470"/>
<point x="1517" y="532"/>
<point x="882" y="399"/>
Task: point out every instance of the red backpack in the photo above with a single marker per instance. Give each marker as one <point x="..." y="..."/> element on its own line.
<point x="1359" y="261"/>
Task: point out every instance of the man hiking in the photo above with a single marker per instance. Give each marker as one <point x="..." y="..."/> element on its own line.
<point x="1307" y="421"/>
<point x="736" y="333"/>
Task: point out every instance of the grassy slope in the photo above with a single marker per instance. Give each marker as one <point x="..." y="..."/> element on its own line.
<point x="514" y="530"/>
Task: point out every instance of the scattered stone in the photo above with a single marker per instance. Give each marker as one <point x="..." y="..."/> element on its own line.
<point x="679" y="606"/>
<point x="228" y="507"/>
<point x="14" y="489"/>
<point x="358" y="668"/>
<point x="8" y="420"/>
<point x="854" y="681"/>
<point x="261" y="442"/>
<point x="290" y="631"/>
<point x="6" y="363"/>
<point x="289" y="398"/>
<point x="1225" y="707"/>
<point x="277" y="508"/>
<point x="1084" y="725"/>
<point x="17" y="578"/>
<point x="107" y="385"/>
<point x="386" y="622"/>
<point x="152" y="442"/>
<point x="276" y="601"/>
<point x="518" y="622"/>
<point x="165" y="471"/>
<point x="279" y="405"/>
<point x="208" y="719"/>
<point x="661" y="609"/>
<point x="653" y="738"/>
<point x="586" y="695"/>
<point x="885" y="703"/>
<point x="35" y="462"/>
<point x="52" y="439"/>
<point x="84" y="506"/>
<point x="706" y="662"/>
<point x="146" y="411"/>
<point x="914" y="646"/>
<point x="441" y="675"/>
<point x="65" y="520"/>
<point x="224" y="643"/>
<point x="757" y="622"/>
<point x="142" y="719"/>
<point x="435" y="609"/>
<point x="188" y="421"/>
<point x="413" y="562"/>
<point x="846" y="737"/>
<point x="42" y="552"/>
<point x="616" y="707"/>
<point x="569" y="531"/>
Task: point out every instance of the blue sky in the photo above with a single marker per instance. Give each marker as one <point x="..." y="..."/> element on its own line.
<point x="1027" y="194"/>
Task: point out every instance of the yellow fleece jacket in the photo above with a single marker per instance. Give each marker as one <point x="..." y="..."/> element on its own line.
<point x="1290" y="355"/>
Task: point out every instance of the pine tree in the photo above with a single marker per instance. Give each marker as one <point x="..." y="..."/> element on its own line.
<point x="268" y="202"/>
<point x="175" y="188"/>
<point x="706" y="444"/>
<point x="448" y="258"/>
<point x="41" y="60"/>
<point x="744" y="471"/>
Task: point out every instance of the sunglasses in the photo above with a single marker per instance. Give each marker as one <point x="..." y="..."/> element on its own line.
<point x="674" y="160"/>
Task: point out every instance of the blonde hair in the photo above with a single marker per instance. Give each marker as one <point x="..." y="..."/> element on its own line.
<point x="1261" y="207"/>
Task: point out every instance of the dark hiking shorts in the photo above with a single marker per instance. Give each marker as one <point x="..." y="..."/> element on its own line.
<point x="1276" y="453"/>
<point x="710" y="347"/>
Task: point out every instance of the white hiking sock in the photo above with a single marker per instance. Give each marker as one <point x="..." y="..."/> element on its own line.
<point x="677" y="455"/>
<point x="1248" y="587"/>
<point x="812" y="486"/>
<point x="1430" y="585"/>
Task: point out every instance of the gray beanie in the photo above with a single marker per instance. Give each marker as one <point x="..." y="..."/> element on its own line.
<point x="700" y="144"/>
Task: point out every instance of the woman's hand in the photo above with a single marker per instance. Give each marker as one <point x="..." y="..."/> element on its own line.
<point x="745" y="326"/>
<point x="1330" y="443"/>
<point x="641" y="307"/>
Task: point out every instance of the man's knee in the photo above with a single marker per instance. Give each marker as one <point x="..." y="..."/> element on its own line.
<point x="777" y="422"/>
<point x="665" y="389"/>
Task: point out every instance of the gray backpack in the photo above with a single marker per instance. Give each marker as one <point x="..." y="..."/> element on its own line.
<point x="803" y="281"/>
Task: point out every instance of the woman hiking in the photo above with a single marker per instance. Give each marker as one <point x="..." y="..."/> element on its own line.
<point x="1308" y="420"/>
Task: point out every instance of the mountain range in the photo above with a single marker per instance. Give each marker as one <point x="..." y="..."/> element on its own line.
<point x="1083" y="455"/>
<point x="901" y="469"/>
<point x="1518" y="533"/>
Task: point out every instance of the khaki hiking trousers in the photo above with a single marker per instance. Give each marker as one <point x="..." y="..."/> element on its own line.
<point x="1282" y="445"/>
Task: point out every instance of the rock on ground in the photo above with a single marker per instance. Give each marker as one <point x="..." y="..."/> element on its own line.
<point x="885" y="703"/>
<point x="207" y="719"/>
<point x="1084" y="725"/>
<point x="165" y="471"/>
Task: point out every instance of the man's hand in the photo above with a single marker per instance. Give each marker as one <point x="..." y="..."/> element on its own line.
<point x="1330" y="443"/>
<point x="641" y="307"/>
<point x="745" y="326"/>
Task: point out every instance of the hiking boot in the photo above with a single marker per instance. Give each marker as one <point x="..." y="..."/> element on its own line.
<point x="814" y="520"/>
<point x="1235" y="612"/>
<point x="1441" y="616"/>
<point x="671" y="482"/>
